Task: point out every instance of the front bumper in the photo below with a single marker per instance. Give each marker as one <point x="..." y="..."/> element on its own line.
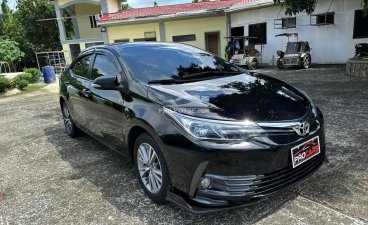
<point x="239" y="175"/>
<point x="259" y="187"/>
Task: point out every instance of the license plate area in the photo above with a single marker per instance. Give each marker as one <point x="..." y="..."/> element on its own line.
<point x="305" y="151"/>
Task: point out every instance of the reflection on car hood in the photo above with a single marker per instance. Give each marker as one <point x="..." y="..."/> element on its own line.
<point x="253" y="97"/>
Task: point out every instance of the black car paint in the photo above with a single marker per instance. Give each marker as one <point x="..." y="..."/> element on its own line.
<point x="116" y="117"/>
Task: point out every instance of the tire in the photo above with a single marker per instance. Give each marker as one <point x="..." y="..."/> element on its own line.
<point x="280" y="64"/>
<point x="307" y="61"/>
<point x="253" y="64"/>
<point x="70" y="128"/>
<point x="149" y="163"/>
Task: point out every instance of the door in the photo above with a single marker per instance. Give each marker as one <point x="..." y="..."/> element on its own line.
<point x="213" y="42"/>
<point x="78" y="86"/>
<point x="105" y="109"/>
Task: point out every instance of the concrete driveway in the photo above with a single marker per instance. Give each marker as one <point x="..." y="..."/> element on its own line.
<point x="48" y="178"/>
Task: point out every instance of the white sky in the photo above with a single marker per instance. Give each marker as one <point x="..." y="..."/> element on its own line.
<point x="132" y="3"/>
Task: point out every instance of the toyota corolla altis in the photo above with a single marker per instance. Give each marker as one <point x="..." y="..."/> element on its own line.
<point x="201" y="132"/>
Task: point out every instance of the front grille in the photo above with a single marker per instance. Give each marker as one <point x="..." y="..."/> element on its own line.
<point x="254" y="186"/>
<point x="237" y="61"/>
<point x="291" y="61"/>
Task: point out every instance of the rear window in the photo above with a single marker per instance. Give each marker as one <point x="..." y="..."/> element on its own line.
<point x="166" y="61"/>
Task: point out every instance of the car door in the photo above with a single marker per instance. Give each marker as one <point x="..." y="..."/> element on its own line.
<point x="77" y="87"/>
<point x="105" y="119"/>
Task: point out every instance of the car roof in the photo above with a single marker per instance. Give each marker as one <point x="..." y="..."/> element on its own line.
<point x="132" y="44"/>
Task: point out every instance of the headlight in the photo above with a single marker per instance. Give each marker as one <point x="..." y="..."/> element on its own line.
<point x="206" y="129"/>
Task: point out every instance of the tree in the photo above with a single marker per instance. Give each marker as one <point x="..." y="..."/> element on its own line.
<point x="194" y="1"/>
<point x="125" y="6"/>
<point x="293" y="7"/>
<point x="5" y="15"/>
<point x="10" y="52"/>
<point x="30" y="32"/>
<point x="365" y="7"/>
<point x="155" y="4"/>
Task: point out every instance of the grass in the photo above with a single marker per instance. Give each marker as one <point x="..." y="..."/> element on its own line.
<point x="30" y="88"/>
<point x="33" y="87"/>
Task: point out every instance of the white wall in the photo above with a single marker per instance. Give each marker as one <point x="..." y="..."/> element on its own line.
<point x="329" y="43"/>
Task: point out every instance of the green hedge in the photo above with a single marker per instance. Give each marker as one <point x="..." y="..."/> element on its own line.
<point x="4" y="84"/>
<point x="24" y="76"/>
<point x="22" y="84"/>
<point x="36" y="74"/>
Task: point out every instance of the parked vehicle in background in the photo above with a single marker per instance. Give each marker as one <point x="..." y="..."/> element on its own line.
<point x="201" y="132"/>
<point x="361" y="50"/>
<point x="297" y="53"/>
<point x="248" y="57"/>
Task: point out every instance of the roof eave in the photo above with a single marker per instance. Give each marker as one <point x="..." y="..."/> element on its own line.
<point x="249" y="6"/>
<point x="200" y="13"/>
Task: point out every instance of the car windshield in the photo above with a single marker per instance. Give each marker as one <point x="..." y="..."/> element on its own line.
<point x="292" y="48"/>
<point x="163" y="61"/>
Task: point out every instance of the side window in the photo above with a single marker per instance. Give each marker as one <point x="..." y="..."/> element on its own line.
<point x="103" y="67"/>
<point x="80" y="67"/>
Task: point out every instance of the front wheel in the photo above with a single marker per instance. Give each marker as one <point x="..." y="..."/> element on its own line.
<point x="70" y="128"/>
<point x="253" y="64"/>
<point x="151" y="169"/>
<point x="280" y="64"/>
<point x="307" y="61"/>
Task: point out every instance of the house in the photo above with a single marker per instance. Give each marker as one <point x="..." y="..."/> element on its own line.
<point x="82" y="17"/>
<point x="332" y="30"/>
<point x="202" y="24"/>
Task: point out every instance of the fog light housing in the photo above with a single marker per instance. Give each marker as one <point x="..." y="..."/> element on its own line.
<point x="205" y="183"/>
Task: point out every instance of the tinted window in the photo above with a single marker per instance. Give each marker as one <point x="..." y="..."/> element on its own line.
<point x="360" y="25"/>
<point x="292" y="47"/>
<point x="80" y="67"/>
<point x="183" y="38"/>
<point x="260" y="31"/>
<point x="166" y="61"/>
<point x="103" y="67"/>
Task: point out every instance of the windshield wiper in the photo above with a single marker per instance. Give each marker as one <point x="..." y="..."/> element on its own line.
<point x="165" y="81"/>
<point x="194" y="77"/>
<point x="209" y="74"/>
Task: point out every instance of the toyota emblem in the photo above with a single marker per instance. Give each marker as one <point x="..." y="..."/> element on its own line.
<point x="302" y="129"/>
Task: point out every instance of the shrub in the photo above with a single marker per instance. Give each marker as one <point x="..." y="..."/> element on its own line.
<point x="36" y="74"/>
<point x="4" y="84"/>
<point x="21" y="84"/>
<point x="23" y="76"/>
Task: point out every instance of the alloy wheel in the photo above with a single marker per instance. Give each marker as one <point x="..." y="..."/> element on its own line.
<point x="149" y="168"/>
<point x="67" y="119"/>
<point x="306" y="62"/>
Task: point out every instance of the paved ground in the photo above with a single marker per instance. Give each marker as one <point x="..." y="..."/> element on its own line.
<point x="47" y="178"/>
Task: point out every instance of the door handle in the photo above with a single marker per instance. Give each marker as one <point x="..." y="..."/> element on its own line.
<point x="87" y="93"/>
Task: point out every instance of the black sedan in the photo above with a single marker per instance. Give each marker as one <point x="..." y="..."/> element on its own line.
<point x="201" y="132"/>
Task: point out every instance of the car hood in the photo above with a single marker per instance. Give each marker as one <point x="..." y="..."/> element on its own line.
<point x="254" y="97"/>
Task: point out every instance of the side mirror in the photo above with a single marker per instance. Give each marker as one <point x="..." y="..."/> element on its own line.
<point x="106" y="83"/>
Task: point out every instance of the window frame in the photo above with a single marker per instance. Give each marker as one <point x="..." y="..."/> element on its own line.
<point x="279" y="23"/>
<point x="91" y="54"/>
<point x="110" y="59"/>
<point x="260" y="42"/>
<point x="191" y="37"/>
<point x="93" y="21"/>
<point x="355" y="35"/>
<point x="315" y="16"/>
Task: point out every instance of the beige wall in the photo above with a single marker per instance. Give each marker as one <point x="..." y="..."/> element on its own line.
<point x="198" y="27"/>
<point x="173" y="28"/>
<point x="132" y="31"/>
<point x="83" y="11"/>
